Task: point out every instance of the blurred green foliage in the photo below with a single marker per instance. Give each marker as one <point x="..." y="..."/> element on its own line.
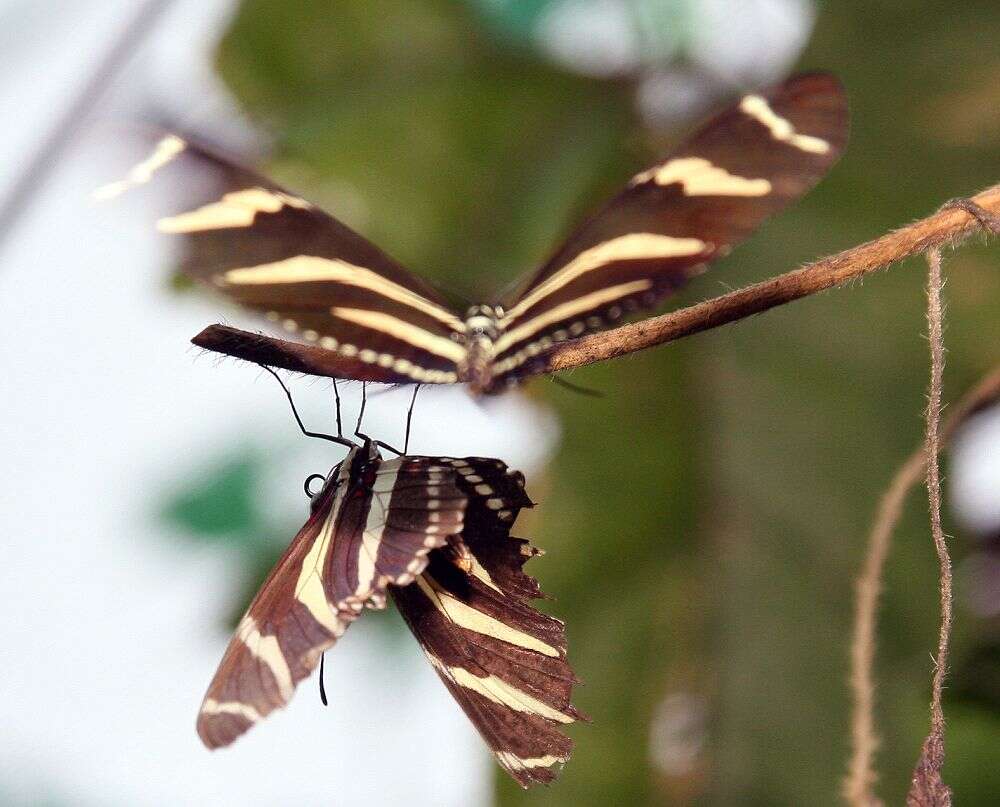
<point x="225" y="506"/>
<point x="705" y="519"/>
<point x="222" y="505"/>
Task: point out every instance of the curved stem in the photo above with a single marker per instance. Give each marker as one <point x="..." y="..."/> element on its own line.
<point x="858" y="786"/>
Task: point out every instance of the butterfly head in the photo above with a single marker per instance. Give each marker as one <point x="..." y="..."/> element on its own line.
<point x="482" y="323"/>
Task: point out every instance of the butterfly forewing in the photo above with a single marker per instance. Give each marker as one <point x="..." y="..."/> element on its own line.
<point x="690" y="208"/>
<point x="373" y="524"/>
<point x="502" y="660"/>
<point x="280" y="639"/>
<point x="308" y="273"/>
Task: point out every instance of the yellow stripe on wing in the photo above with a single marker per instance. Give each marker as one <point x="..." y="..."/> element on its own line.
<point x="234" y="209"/>
<point x="699" y="177"/>
<point x="630" y="247"/>
<point x="499" y="691"/>
<point x="313" y="269"/>
<point x="781" y="129"/>
<point x="465" y="616"/>
<point x="568" y="310"/>
<point x="413" y="335"/>
<point x="141" y="173"/>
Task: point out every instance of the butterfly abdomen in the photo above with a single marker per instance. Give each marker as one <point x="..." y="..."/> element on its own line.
<point x="482" y="329"/>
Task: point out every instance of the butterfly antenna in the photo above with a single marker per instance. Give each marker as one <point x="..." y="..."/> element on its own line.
<point x="409" y="419"/>
<point x="343" y="441"/>
<point x="336" y="397"/>
<point x="590" y="393"/>
<point x="322" y="686"/>
<point x="309" y="479"/>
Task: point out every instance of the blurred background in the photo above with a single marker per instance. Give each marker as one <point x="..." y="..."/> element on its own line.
<point x="704" y="519"/>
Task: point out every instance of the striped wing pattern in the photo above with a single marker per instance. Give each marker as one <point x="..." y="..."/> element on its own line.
<point x="435" y="533"/>
<point x="358" y="314"/>
<point x="373" y="524"/>
<point x="301" y="268"/>
<point x="502" y="660"/>
<point x="747" y="163"/>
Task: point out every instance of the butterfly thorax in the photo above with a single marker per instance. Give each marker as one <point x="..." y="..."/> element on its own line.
<point x="357" y="468"/>
<point x="482" y="329"/>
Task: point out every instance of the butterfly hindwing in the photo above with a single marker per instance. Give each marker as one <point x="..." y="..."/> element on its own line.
<point x="502" y="660"/>
<point x="672" y="219"/>
<point x="281" y="256"/>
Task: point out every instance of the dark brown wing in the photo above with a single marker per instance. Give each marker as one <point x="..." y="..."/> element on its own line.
<point x="711" y="193"/>
<point x="502" y="660"/>
<point x="372" y="524"/>
<point x="396" y="513"/>
<point x="279" y="255"/>
<point x="282" y="636"/>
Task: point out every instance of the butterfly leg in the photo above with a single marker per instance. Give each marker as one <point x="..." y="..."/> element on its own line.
<point x="361" y="412"/>
<point x="339" y="440"/>
<point x="308" y="482"/>
<point x="409" y="420"/>
<point x="590" y="393"/>
<point x="322" y="686"/>
<point x="361" y="415"/>
<point x="336" y="397"/>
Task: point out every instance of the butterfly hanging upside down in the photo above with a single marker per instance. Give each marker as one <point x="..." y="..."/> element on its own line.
<point x="434" y="534"/>
<point x="362" y="316"/>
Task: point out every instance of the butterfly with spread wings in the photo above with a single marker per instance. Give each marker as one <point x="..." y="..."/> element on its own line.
<point x="434" y="534"/>
<point x="360" y="315"/>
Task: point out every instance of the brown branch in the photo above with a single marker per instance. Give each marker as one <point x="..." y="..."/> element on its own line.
<point x="861" y="776"/>
<point x="952" y="223"/>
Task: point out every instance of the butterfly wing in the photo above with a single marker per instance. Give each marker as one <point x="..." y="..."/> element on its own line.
<point x="281" y="256"/>
<point x="672" y="219"/>
<point x="502" y="660"/>
<point x="280" y="639"/>
<point x="373" y="524"/>
<point x="399" y="511"/>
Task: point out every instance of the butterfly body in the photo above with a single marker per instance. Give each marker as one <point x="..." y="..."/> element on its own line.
<point x="482" y="329"/>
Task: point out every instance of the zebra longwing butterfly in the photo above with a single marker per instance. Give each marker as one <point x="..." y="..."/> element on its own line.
<point x="360" y="315"/>
<point x="434" y="534"/>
